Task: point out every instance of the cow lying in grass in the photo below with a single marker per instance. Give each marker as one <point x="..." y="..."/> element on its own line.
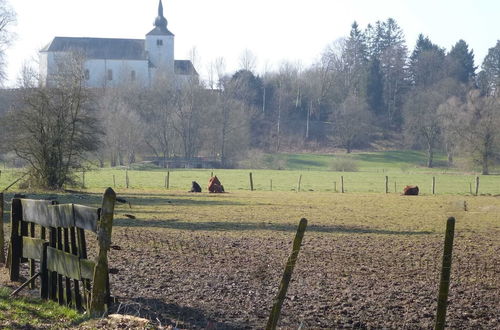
<point x="410" y="191"/>
<point x="214" y="185"/>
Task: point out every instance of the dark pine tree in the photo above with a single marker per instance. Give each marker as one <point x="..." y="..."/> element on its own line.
<point x="460" y="63"/>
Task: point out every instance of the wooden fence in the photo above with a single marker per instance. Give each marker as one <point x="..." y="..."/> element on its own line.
<point x="53" y="236"/>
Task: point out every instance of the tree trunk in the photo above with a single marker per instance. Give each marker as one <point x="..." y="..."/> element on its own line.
<point x="430" y="156"/>
<point x="485" y="170"/>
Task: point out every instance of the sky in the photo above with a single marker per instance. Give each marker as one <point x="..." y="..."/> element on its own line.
<point x="275" y="31"/>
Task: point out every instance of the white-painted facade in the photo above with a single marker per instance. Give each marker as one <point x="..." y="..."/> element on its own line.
<point x="114" y="62"/>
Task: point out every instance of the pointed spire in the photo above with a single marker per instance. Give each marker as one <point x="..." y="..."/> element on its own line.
<point x="161" y="21"/>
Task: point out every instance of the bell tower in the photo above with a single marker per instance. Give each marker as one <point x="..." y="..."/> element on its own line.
<point x="160" y="44"/>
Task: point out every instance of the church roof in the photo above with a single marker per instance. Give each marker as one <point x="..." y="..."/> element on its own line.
<point x="160" y="24"/>
<point x="100" y="48"/>
<point x="184" y="67"/>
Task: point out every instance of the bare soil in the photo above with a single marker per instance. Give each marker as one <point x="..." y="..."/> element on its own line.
<point x="190" y="273"/>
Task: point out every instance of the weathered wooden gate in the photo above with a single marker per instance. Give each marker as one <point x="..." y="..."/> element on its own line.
<point x="53" y="235"/>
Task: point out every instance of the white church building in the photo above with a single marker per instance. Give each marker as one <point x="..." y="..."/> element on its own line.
<point x="112" y="62"/>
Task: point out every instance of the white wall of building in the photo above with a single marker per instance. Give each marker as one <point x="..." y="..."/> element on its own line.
<point x="112" y="73"/>
<point x="160" y="50"/>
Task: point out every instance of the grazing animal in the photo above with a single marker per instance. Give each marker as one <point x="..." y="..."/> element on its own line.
<point x="195" y="187"/>
<point x="410" y="191"/>
<point x="214" y="185"/>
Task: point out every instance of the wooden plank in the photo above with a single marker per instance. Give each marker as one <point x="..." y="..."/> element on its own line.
<point x="52" y="288"/>
<point x="15" y="247"/>
<point x="31" y="260"/>
<point x="76" y="283"/>
<point x="33" y="248"/>
<point x="44" y="274"/>
<point x="2" y="242"/>
<point x="62" y="215"/>
<point x="63" y="263"/>
<point x="60" y="289"/>
<point x="98" y="305"/>
<point x="37" y="211"/>
<point x="87" y="269"/>
<point x="86" y="217"/>
<point x="68" y="280"/>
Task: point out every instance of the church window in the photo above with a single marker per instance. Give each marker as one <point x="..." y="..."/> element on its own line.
<point x="132" y="75"/>
<point x="110" y="74"/>
<point x="86" y="74"/>
<point x="159" y="42"/>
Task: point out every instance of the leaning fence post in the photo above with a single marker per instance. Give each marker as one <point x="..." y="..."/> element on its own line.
<point x="99" y="287"/>
<point x="477" y="185"/>
<point x="251" y="181"/>
<point x="444" y="284"/>
<point x="287" y="275"/>
<point x="2" y="243"/>
<point x="298" y="183"/>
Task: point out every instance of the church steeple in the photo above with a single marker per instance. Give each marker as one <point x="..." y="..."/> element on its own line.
<point x="161" y="21"/>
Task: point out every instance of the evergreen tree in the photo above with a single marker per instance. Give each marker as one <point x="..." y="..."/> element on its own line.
<point x="460" y="63"/>
<point x="426" y="63"/>
<point x="375" y="88"/>
<point x="491" y="71"/>
<point x="355" y="57"/>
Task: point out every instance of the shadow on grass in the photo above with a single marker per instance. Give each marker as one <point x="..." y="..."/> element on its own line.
<point x="171" y="314"/>
<point x="244" y="226"/>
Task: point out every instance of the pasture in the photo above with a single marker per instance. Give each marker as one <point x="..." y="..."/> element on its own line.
<point x="368" y="260"/>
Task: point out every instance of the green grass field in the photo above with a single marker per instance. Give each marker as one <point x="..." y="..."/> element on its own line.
<point x="368" y="257"/>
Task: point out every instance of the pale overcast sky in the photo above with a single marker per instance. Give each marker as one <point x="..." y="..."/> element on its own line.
<point x="274" y="30"/>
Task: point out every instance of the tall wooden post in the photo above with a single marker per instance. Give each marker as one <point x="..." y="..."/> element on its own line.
<point x="251" y="181"/>
<point x="386" y="184"/>
<point x="2" y="242"/>
<point x="168" y="179"/>
<point x="126" y="178"/>
<point x="287" y="275"/>
<point x="335" y="186"/>
<point x="114" y="181"/>
<point x="83" y="179"/>
<point x="444" y="284"/>
<point x="298" y="183"/>
<point x="271" y="184"/>
<point x="477" y="185"/>
<point x="99" y="288"/>
<point x="342" y="184"/>
<point x="433" y="185"/>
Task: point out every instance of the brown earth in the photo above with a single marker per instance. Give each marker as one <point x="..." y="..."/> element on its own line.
<point x="192" y="273"/>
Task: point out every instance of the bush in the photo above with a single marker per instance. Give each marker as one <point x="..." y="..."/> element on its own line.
<point x="343" y="164"/>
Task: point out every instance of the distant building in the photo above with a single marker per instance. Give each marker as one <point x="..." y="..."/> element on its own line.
<point x="112" y="62"/>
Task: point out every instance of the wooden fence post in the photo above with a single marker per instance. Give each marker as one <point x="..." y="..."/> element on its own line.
<point x="287" y="275"/>
<point x="168" y="179"/>
<point x="433" y="185"/>
<point x="251" y="181"/>
<point x="342" y="184"/>
<point x="444" y="284"/>
<point x="298" y="183"/>
<point x="2" y="243"/>
<point x="114" y="181"/>
<point x="477" y="185"/>
<point x="99" y="288"/>
<point x="83" y="179"/>
<point x="271" y="184"/>
<point x="15" y="240"/>
<point x="386" y="184"/>
<point x="126" y="178"/>
<point x="395" y="187"/>
<point x="335" y="186"/>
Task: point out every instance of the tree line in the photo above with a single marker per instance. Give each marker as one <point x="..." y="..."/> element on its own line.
<point x="366" y="88"/>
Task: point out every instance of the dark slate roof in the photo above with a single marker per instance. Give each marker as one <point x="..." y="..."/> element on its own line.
<point x="184" y="67"/>
<point x="100" y="48"/>
<point x="158" y="31"/>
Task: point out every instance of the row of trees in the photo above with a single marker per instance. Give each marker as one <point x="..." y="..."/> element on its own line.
<point x="365" y="88"/>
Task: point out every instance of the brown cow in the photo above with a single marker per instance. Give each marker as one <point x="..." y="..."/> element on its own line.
<point x="214" y="185"/>
<point x="410" y="191"/>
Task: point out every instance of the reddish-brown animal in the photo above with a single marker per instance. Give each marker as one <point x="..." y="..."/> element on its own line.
<point x="214" y="185"/>
<point x="410" y="190"/>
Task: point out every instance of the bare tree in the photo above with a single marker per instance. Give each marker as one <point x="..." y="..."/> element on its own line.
<point x="7" y="19"/>
<point x="248" y="60"/>
<point x="351" y="122"/>
<point x="56" y="126"/>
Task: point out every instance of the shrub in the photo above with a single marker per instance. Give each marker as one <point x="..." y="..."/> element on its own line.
<point x="343" y="164"/>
